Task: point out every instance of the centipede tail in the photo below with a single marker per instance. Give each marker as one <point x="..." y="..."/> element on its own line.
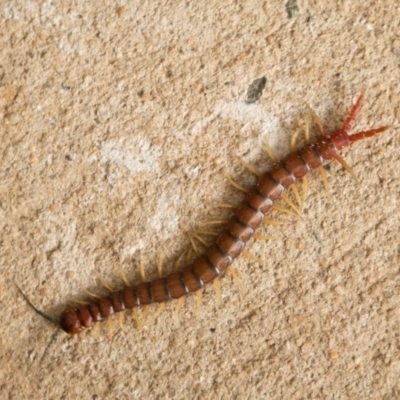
<point x="231" y="241"/>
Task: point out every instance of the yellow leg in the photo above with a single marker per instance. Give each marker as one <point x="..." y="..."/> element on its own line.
<point x="199" y="296"/>
<point x="194" y="246"/>
<point x="106" y="285"/>
<point x="177" y="263"/>
<point x="199" y="238"/>
<point x="123" y="276"/>
<point x="91" y="294"/>
<point x="145" y="313"/>
<point x="142" y="270"/>
<point x="294" y="137"/>
<point x="289" y="202"/>
<point x="136" y="318"/>
<point x="236" y="279"/>
<point x="203" y="232"/>
<point x="217" y="288"/>
<point x="304" y="189"/>
<point x="316" y="120"/>
<point x="284" y="210"/>
<point x="189" y="255"/>
<point x="110" y="327"/>
<point x="252" y="257"/>
<point x="179" y="305"/>
<point x="160" y="309"/>
<point x="121" y="318"/>
<point x="250" y="168"/>
<point x="95" y="330"/>
<point x="226" y="205"/>
<point x="80" y="303"/>
<point x="160" y="265"/>
<point x="322" y="172"/>
<point x="236" y="185"/>
<point x="215" y="222"/>
<point x="270" y="153"/>
<point x="263" y="237"/>
<point x="347" y="168"/>
<point x="274" y="222"/>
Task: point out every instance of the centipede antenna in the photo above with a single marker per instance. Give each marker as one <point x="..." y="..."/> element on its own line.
<point x="44" y="315"/>
<point x="367" y="134"/>
<point x="352" y="114"/>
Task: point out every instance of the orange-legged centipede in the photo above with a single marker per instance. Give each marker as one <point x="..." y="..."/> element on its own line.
<point x="231" y="241"/>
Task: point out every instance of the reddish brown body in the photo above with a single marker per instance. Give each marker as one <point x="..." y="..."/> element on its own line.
<point x="229" y="243"/>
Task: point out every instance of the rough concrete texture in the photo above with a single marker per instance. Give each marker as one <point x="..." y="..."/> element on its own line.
<point x="117" y="122"/>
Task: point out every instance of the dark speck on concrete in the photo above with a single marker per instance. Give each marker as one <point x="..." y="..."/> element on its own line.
<point x="255" y="90"/>
<point x="291" y="8"/>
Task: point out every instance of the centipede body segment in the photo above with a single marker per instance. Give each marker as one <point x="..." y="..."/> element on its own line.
<point x="233" y="238"/>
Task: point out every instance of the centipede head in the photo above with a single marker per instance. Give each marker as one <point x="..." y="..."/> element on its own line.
<point x="340" y="139"/>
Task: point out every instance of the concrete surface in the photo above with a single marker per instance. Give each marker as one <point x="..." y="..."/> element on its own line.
<point x="117" y="121"/>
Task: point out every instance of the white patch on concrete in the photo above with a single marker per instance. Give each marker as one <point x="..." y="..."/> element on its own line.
<point x="132" y="250"/>
<point x="137" y="154"/>
<point x="249" y="114"/>
<point x="192" y="172"/>
<point x="164" y="221"/>
<point x="10" y="12"/>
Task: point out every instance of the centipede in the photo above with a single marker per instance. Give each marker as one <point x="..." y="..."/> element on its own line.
<point x="231" y="241"/>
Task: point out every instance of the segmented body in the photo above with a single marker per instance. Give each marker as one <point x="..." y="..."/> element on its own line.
<point x="232" y="240"/>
